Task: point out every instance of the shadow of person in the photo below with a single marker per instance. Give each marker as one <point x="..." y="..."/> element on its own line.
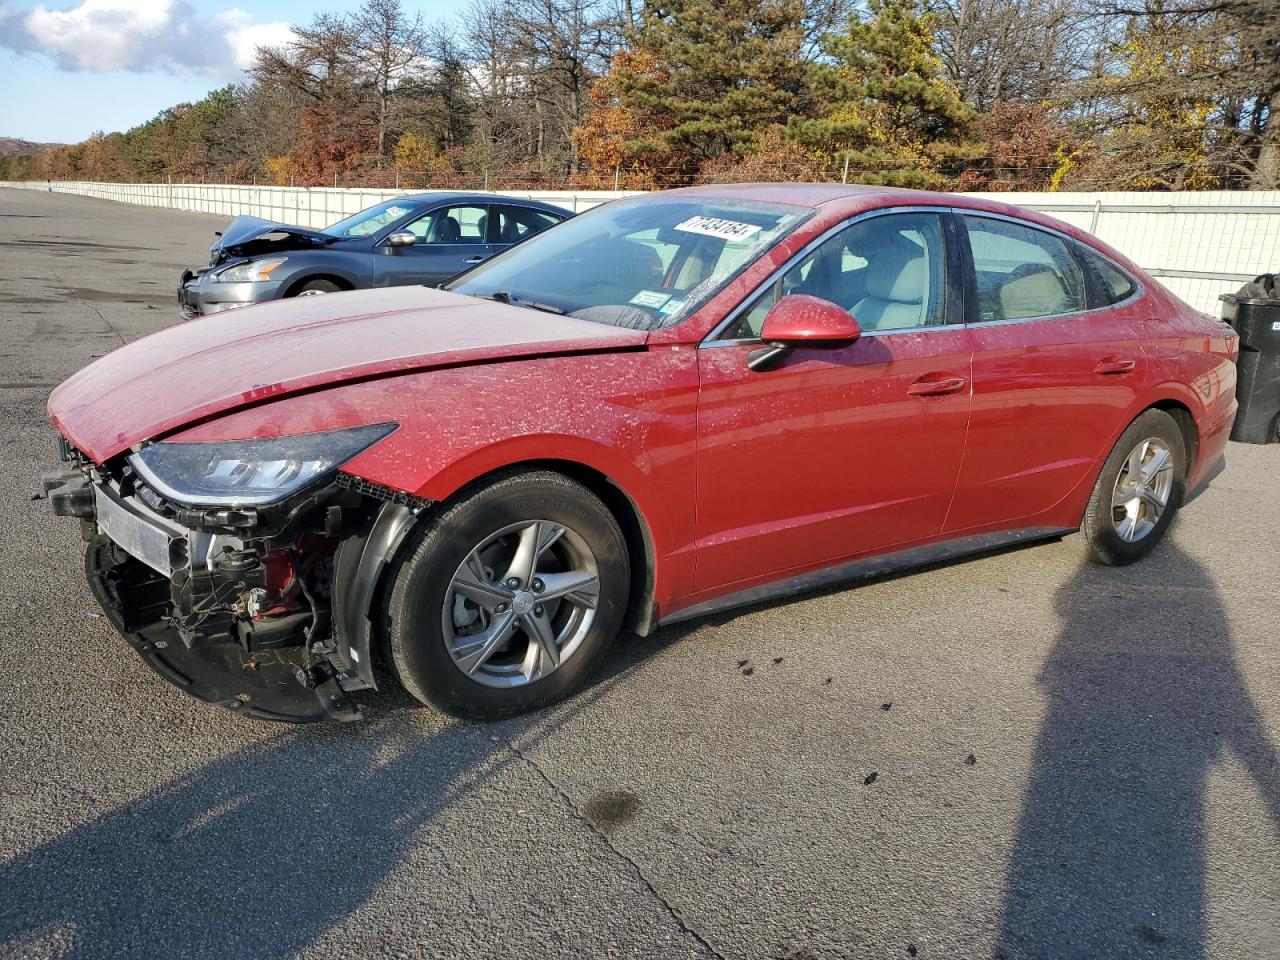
<point x="1144" y="698"/>
<point x="259" y="854"/>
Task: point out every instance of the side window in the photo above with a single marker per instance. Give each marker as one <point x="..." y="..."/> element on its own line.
<point x="462" y="224"/>
<point x="1112" y="284"/>
<point x="516" y="223"/>
<point x="889" y="272"/>
<point x="1022" y="272"/>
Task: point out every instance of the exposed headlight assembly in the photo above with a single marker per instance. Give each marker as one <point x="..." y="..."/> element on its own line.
<point x="253" y="271"/>
<point x="243" y="473"/>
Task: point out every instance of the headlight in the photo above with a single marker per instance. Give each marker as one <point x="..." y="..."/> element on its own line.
<point x="254" y="271"/>
<point x="241" y="473"/>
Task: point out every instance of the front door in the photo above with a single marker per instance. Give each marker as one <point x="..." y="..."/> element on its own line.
<point x="836" y="453"/>
<point x="449" y="240"/>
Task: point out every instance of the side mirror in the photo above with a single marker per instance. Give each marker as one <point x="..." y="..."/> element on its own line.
<point x="402" y="239"/>
<point x="800" y="320"/>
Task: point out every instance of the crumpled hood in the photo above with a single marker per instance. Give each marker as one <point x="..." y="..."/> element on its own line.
<point x="194" y="371"/>
<point x="243" y="230"/>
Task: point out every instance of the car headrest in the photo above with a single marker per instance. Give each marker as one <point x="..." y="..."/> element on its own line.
<point x="898" y="274"/>
<point x="450" y="230"/>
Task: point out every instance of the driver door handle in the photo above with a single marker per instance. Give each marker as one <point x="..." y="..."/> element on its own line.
<point x="479" y="259"/>
<point x="935" y="386"/>
<point x="1115" y="366"/>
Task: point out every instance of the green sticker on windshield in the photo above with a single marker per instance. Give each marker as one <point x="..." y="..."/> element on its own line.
<point x="650" y="298"/>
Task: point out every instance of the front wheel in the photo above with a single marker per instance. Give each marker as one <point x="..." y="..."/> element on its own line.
<point x="1138" y="491"/>
<point x="313" y="288"/>
<point x="508" y="599"/>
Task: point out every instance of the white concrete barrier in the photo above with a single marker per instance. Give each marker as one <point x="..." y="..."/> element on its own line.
<point x="1199" y="244"/>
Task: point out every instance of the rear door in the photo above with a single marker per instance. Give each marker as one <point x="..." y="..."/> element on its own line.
<point x="450" y="239"/>
<point x="836" y="453"/>
<point x="1055" y="369"/>
<point x="512" y="223"/>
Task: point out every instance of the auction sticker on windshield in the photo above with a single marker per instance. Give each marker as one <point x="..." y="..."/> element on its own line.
<point x="716" y="227"/>
<point x="650" y="298"/>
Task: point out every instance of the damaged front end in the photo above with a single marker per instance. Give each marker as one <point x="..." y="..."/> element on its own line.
<point x="260" y="604"/>
<point x="242" y="261"/>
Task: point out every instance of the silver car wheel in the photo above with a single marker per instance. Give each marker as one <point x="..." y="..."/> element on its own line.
<point x="521" y="603"/>
<point x="1142" y="489"/>
<point x="312" y="293"/>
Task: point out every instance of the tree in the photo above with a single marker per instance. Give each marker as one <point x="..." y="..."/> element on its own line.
<point x="722" y="71"/>
<point x="996" y="51"/>
<point x="882" y="104"/>
<point x="390" y="47"/>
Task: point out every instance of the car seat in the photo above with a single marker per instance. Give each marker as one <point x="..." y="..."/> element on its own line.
<point x="897" y="278"/>
<point x="448" y="230"/>
<point x="1033" y="290"/>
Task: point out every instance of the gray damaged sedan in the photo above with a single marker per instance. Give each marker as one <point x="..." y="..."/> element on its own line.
<point x="424" y="239"/>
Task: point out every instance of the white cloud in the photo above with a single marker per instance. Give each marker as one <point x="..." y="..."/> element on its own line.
<point x="245" y="37"/>
<point x="106" y="35"/>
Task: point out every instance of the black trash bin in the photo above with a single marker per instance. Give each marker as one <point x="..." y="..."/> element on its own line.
<point x="1257" y="321"/>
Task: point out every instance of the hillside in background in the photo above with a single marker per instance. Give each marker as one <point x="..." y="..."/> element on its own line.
<point x="17" y="147"/>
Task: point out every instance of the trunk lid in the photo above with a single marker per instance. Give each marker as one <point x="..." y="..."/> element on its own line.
<point x="199" y="369"/>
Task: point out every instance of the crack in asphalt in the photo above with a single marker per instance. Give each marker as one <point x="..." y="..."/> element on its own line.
<point x="679" y="918"/>
<point x="107" y="323"/>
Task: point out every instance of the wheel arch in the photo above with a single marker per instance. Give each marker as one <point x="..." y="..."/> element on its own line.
<point x="641" y="616"/>
<point x="297" y="283"/>
<point x="1187" y="426"/>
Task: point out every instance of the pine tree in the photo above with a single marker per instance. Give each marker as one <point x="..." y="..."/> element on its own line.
<point x="882" y="106"/>
<point x="722" y="70"/>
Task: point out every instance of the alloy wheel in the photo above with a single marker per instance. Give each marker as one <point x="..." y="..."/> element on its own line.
<point x="521" y="603"/>
<point x="1142" y="489"/>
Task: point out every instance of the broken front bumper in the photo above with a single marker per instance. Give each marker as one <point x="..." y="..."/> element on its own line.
<point x="166" y="588"/>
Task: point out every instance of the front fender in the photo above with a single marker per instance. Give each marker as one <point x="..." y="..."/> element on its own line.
<point x="629" y="416"/>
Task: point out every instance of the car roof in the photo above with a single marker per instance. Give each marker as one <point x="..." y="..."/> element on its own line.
<point x="849" y="199"/>
<point x="453" y="196"/>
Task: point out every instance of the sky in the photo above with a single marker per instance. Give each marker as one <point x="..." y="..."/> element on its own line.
<point x="70" y="69"/>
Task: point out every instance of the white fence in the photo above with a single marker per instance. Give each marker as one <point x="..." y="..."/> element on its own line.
<point x="1199" y="244"/>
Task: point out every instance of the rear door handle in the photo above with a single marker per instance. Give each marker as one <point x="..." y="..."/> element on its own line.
<point x="476" y="260"/>
<point x="1115" y="366"/>
<point x="940" y="387"/>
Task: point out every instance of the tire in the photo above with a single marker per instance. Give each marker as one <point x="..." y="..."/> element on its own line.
<point x="316" y="286"/>
<point x="431" y="622"/>
<point x="1118" y="534"/>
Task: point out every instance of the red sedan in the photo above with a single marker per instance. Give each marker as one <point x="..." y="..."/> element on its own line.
<point x="672" y="404"/>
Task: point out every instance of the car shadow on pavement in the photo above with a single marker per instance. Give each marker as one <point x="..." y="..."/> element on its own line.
<point x="261" y="853"/>
<point x="1145" y="699"/>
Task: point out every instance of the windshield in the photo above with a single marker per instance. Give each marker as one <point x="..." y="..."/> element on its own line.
<point x="643" y="263"/>
<point x="370" y="221"/>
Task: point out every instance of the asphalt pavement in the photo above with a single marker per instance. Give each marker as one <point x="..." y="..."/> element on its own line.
<point x="1019" y="756"/>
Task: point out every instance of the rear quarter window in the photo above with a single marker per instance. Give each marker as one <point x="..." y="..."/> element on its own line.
<point x="1111" y="284"/>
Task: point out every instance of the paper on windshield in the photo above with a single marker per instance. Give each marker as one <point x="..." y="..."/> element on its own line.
<point x="730" y="230"/>
<point x="650" y="298"/>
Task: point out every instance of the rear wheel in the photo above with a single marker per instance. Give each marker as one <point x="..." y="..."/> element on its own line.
<point x="1138" y="491"/>
<point x="507" y="600"/>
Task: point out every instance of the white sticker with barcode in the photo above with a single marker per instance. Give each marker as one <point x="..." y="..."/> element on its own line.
<point x="650" y="298"/>
<point x="715" y="227"/>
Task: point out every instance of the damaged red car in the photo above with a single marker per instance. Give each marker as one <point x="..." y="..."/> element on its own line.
<point x="669" y="405"/>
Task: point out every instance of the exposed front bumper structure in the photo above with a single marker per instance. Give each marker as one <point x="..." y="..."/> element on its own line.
<point x="272" y="620"/>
